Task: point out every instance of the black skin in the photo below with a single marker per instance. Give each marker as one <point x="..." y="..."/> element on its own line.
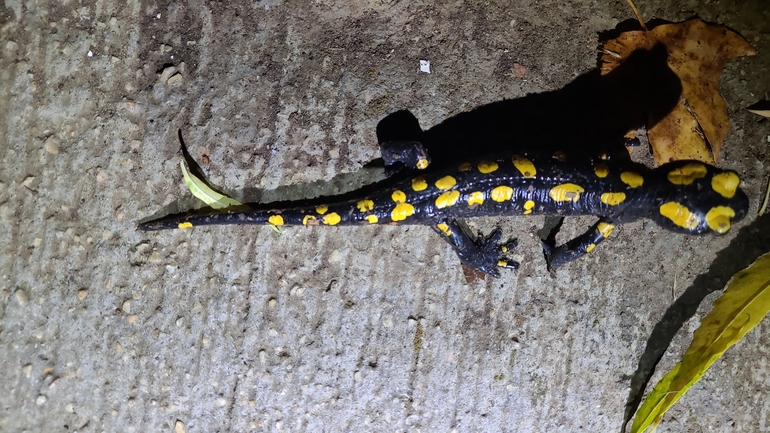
<point x="493" y="187"/>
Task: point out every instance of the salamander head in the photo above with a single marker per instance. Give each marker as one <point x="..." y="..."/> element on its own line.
<point x="704" y="199"/>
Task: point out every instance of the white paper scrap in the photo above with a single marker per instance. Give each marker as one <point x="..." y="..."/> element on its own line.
<point x="425" y="66"/>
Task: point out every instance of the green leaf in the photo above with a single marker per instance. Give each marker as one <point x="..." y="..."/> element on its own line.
<point x="745" y="302"/>
<point x="202" y="191"/>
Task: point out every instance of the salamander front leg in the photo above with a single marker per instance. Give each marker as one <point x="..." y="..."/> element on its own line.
<point x="483" y="253"/>
<point x="578" y="247"/>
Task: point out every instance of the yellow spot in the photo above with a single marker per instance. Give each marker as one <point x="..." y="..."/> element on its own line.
<point x="687" y="174"/>
<point x="275" y="220"/>
<point x="372" y="219"/>
<point x="525" y="166"/>
<point x="528" y="206"/>
<point x="601" y="170"/>
<point x="605" y="229"/>
<point x="419" y="184"/>
<point x="504" y="249"/>
<point x="679" y="215"/>
<point x="718" y="219"/>
<point x="566" y="192"/>
<point x="465" y="167"/>
<point x="401" y="211"/>
<point x="331" y="219"/>
<point x="444" y="228"/>
<point x="448" y="198"/>
<point x="725" y="184"/>
<point x="487" y="166"/>
<point x="398" y="196"/>
<point x="307" y="219"/>
<point x="365" y="205"/>
<point x="476" y="198"/>
<point x="502" y="263"/>
<point x="185" y="225"/>
<point x="322" y="209"/>
<point x="613" y="198"/>
<point x="590" y="248"/>
<point x="422" y="164"/>
<point x="501" y="193"/>
<point x="445" y="183"/>
<point x="632" y="179"/>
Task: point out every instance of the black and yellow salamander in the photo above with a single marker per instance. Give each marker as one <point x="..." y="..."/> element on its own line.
<point x="685" y="197"/>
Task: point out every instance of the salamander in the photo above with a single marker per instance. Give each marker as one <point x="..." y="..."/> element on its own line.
<point x="687" y="197"/>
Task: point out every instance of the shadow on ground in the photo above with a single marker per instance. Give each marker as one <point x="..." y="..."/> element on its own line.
<point x="589" y="116"/>
<point x="752" y="241"/>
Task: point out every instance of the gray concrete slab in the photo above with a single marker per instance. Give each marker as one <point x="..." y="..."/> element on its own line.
<point x="105" y="328"/>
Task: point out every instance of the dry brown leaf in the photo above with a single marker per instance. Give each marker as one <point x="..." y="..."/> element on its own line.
<point x="697" y="54"/>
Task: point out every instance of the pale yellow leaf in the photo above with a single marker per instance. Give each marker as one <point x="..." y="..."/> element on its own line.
<point x="761" y="108"/>
<point x="765" y="113"/>
<point x="745" y="302"/>
<point x="203" y="192"/>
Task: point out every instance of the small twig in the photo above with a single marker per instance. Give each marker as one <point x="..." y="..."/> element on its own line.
<point x="764" y="202"/>
<point x="673" y="288"/>
<point x="638" y="14"/>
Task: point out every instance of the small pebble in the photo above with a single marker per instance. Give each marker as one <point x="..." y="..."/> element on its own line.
<point x="51" y="146"/>
<point x="40" y="400"/>
<point x="335" y="256"/>
<point x="179" y="427"/>
<point x="177" y="78"/>
<point x="126" y="307"/>
<point x="27" y="370"/>
<point x="132" y="318"/>
<point x="82" y="294"/>
<point x="167" y="73"/>
<point x="21" y="297"/>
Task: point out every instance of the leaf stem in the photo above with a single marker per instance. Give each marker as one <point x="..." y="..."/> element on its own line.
<point x="638" y="14"/>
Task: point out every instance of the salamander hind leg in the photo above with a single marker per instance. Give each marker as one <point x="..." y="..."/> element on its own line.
<point x="483" y="253"/>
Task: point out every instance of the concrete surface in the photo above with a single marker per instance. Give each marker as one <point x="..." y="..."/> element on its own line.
<point x="105" y="328"/>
